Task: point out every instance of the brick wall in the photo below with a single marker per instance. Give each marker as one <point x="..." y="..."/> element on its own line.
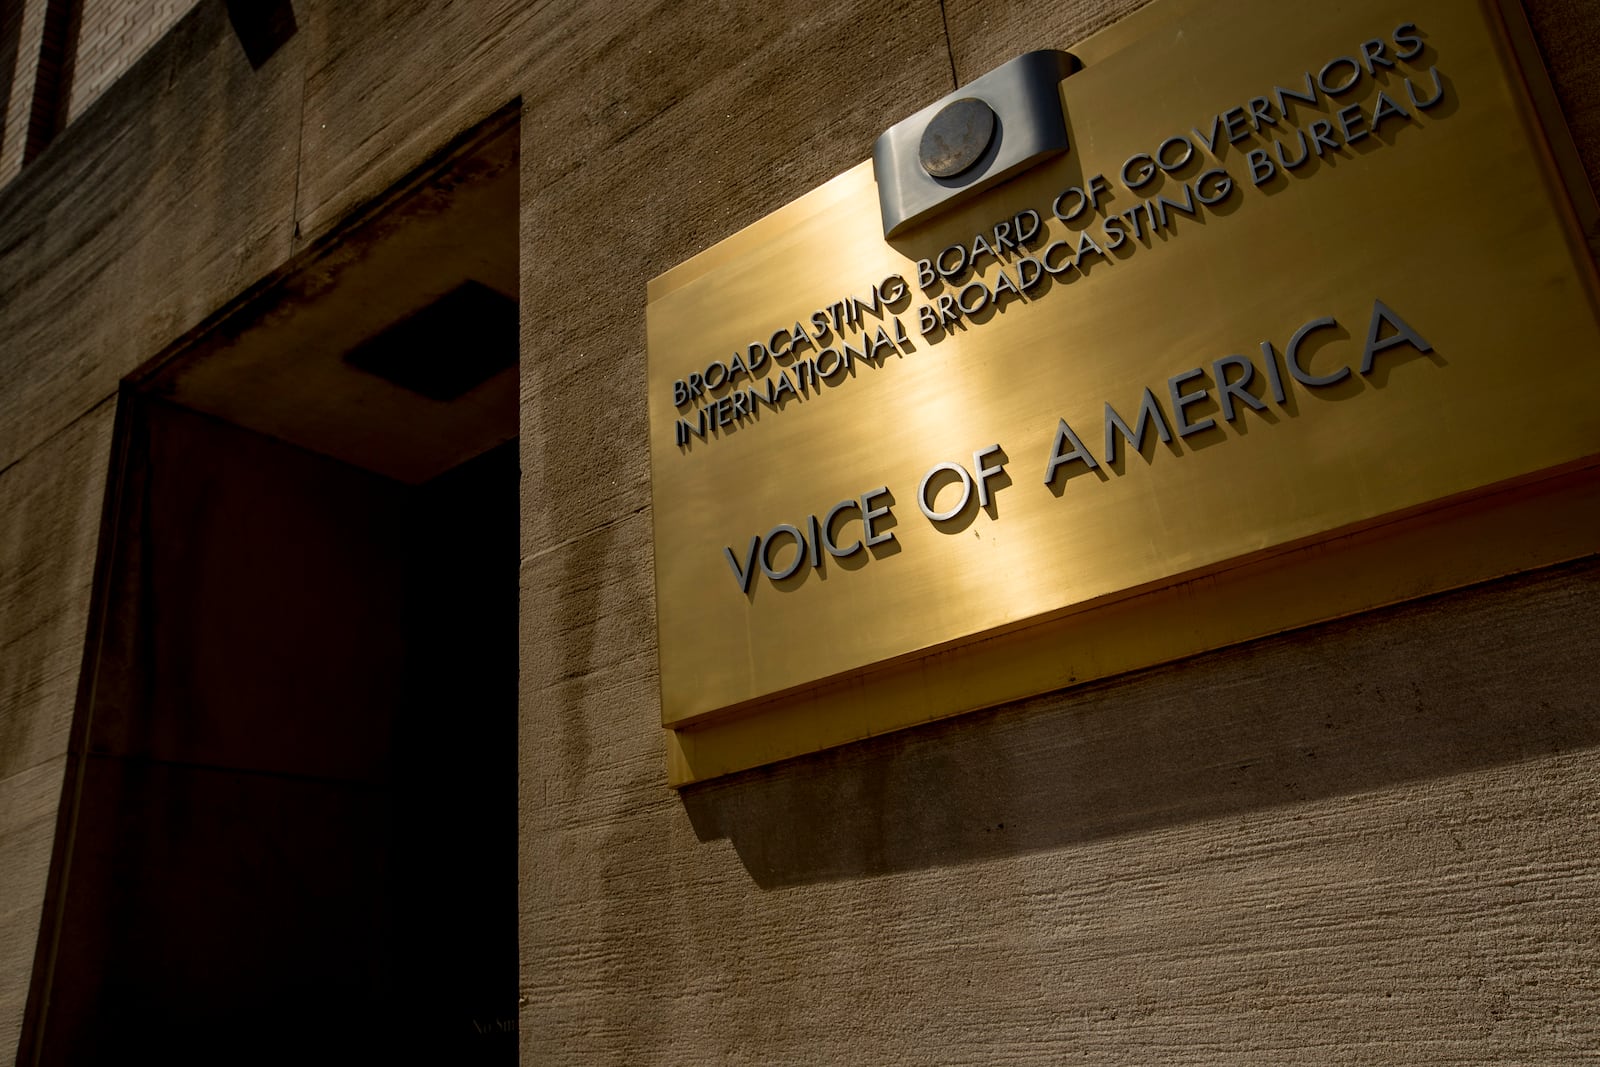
<point x="112" y="35"/>
<point x="25" y="19"/>
<point x="97" y="42"/>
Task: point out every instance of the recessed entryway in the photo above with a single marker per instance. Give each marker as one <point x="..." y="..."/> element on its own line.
<point x="291" y="813"/>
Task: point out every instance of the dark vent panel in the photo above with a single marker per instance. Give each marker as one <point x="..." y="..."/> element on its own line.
<point x="448" y="348"/>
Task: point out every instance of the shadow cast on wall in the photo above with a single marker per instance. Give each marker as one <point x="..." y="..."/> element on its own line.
<point x="1464" y="680"/>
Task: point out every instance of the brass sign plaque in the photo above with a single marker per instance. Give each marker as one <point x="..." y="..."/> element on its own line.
<point x="1300" y="284"/>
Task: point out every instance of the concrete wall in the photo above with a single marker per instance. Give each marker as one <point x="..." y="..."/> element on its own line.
<point x="50" y="501"/>
<point x="1368" y="842"/>
<point x="1371" y="841"/>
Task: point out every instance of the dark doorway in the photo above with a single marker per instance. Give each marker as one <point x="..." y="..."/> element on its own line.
<point x="289" y="832"/>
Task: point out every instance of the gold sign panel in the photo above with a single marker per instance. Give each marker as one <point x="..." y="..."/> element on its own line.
<point x="1301" y="322"/>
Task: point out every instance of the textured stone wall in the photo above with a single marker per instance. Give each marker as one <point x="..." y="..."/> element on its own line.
<point x="50" y="504"/>
<point x="1365" y="842"/>
<point x="1368" y="842"/>
<point x="1371" y="841"/>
